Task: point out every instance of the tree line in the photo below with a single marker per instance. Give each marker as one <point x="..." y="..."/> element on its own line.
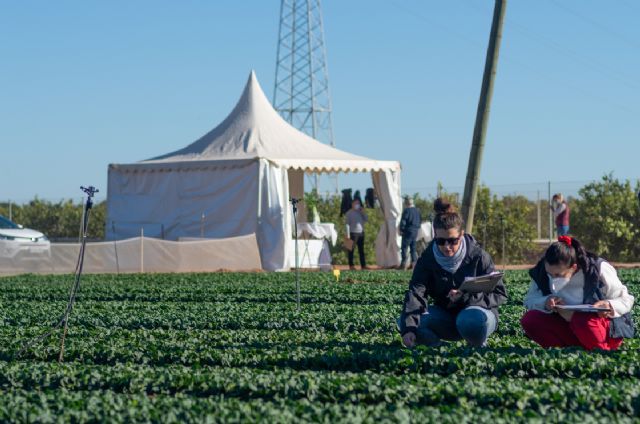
<point x="605" y="215"/>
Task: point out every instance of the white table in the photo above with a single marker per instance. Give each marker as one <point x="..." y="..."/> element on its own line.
<point x="311" y="254"/>
<point x="318" y="231"/>
<point x="424" y="233"/>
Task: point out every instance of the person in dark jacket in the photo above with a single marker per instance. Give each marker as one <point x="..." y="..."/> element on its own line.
<point x="409" y="226"/>
<point x="569" y="275"/>
<point x="449" y="314"/>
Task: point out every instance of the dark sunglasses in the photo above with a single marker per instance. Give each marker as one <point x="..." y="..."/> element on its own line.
<point x="441" y="241"/>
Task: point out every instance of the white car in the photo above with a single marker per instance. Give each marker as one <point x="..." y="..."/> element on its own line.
<point x="15" y="239"/>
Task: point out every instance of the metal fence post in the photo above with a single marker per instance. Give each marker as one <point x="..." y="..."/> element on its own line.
<point x="141" y="249"/>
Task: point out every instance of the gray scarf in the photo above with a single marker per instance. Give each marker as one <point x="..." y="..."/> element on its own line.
<point x="451" y="263"/>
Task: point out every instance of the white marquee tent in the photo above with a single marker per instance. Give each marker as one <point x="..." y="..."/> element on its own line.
<point x="237" y="180"/>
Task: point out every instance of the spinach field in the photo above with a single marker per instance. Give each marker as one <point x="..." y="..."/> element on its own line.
<point x="232" y="348"/>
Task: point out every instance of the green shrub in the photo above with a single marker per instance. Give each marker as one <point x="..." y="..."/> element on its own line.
<point x="606" y="218"/>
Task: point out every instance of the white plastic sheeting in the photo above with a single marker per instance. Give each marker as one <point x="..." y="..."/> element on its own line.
<point x="141" y="254"/>
<point x="179" y="204"/>
<point x="387" y="186"/>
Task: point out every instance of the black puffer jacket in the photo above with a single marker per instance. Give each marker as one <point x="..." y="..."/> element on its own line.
<point x="431" y="280"/>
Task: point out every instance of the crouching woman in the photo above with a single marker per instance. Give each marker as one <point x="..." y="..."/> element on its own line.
<point x="449" y="314"/>
<point x="569" y="275"/>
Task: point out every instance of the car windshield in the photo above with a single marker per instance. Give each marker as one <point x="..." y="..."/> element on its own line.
<point x="6" y="224"/>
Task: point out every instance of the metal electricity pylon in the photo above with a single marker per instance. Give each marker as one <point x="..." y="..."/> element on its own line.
<point x="301" y="93"/>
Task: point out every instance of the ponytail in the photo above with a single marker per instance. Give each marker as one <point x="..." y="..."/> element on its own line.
<point x="581" y="254"/>
<point x="568" y="251"/>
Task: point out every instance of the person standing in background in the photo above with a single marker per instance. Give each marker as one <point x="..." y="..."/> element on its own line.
<point x="409" y="227"/>
<point x="356" y="218"/>
<point x="561" y="214"/>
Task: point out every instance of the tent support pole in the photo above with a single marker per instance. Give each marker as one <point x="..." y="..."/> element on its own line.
<point x="294" y="204"/>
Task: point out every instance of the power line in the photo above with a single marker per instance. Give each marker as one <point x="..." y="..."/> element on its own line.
<point x="597" y="24"/>
<point x="574" y="55"/>
<point x="629" y="5"/>
<point x="541" y="75"/>
<point x="417" y="15"/>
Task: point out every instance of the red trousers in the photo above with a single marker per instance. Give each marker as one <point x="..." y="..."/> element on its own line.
<point x="585" y="329"/>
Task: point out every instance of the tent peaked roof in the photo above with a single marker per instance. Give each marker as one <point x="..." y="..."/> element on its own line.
<point x="254" y="129"/>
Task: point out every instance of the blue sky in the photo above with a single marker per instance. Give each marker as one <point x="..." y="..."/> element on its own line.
<point x="85" y="84"/>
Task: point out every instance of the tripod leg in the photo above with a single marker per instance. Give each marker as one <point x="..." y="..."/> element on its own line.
<point x="64" y="336"/>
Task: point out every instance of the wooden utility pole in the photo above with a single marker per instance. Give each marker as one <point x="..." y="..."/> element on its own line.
<point x="482" y="116"/>
<point x="550" y="213"/>
<point x="539" y="216"/>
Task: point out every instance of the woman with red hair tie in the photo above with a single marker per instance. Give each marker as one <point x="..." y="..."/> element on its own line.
<point x="569" y="275"/>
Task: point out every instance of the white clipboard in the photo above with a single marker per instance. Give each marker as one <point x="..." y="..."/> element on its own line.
<point x="481" y="283"/>
<point x="583" y="308"/>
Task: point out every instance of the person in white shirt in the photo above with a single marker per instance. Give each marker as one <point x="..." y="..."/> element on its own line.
<point x="569" y="275"/>
<point x="356" y="218"/>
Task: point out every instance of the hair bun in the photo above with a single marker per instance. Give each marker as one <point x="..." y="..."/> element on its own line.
<point x="441" y="206"/>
